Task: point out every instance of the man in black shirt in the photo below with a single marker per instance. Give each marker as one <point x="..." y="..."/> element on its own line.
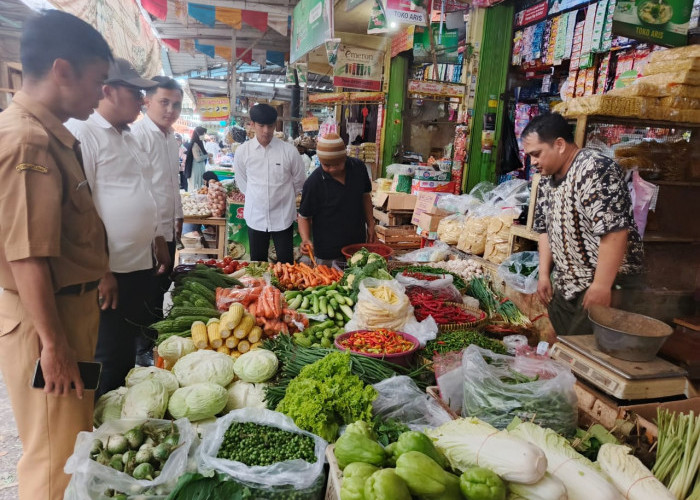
<point x="336" y="203"/>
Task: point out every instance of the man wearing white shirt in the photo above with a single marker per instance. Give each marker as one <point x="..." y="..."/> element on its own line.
<point x="120" y="180"/>
<point x="270" y="173"/>
<point x="157" y="139"/>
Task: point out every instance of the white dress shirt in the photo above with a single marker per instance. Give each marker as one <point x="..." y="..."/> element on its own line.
<point x="117" y="171"/>
<point x="270" y="178"/>
<point x="163" y="156"/>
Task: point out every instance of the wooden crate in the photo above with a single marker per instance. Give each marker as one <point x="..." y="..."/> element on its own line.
<point x="398" y="236"/>
<point x="334" y="475"/>
<point x="392" y="217"/>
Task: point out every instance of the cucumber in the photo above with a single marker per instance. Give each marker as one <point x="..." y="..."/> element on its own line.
<point x="295" y="303"/>
<point x="330" y="311"/>
<point x="323" y="305"/>
<point x="305" y="303"/>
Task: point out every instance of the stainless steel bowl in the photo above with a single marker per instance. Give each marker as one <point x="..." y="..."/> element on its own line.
<point x="626" y="335"/>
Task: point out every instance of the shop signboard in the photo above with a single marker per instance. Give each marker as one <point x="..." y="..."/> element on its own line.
<point x="358" y="68"/>
<point x="651" y="21"/>
<point x="405" y="12"/>
<point x="435" y="88"/>
<point x="556" y="6"/>
<point x="402" y="41"/>
<point x="532" y="14"/>
<point x="447" y="50"/>
<point x="213" y="108"/>
<point x="312" y="25"/>
<point x="309" y="124"/>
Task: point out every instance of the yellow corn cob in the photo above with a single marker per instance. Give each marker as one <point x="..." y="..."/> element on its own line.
<point x="255" y="345"/>
<point x="236" y="354"/>
<point x="213" y="334"/>
<point x="232" y="342"/>
<point x="255" y="334"/>
<point x="199" y="335"/>
<point x="243" y="346"/>
<point x="244" y="326"/>
<point x="223" y="349"/>
<point x="235" y="315"/>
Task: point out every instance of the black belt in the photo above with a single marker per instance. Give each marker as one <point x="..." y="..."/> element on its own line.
<point x="78" y="289"/>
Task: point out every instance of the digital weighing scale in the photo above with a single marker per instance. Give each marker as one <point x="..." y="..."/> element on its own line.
<point x="617" y="377"/>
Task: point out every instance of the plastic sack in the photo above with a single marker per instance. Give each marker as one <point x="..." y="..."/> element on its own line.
<point x="400" y="398"/>
<point x="497" y="246"/>
<point x="297" y="473"/>
<point x="400" y="169"/>
<point x="481" y="191"/>
<point x="511" y="270"/>
<point x="450" y="228"/>
<point x="460" y="204"/>
<point x="436" y="253"/>
<point x="496" y="392"/>
<point x="91" y="479"/>
<point x="509" y="191"/>
<point x="448" y="374"/>
<point x="442" y="286"/>
<point x="644" y="196"/>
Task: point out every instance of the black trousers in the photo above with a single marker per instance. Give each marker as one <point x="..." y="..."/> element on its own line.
<point x="158" y="286"/>
<point x="120" y="328"/>
<point x="260" y="243"/>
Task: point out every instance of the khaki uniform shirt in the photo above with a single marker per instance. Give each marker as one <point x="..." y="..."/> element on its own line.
<point x="46" y="209"/>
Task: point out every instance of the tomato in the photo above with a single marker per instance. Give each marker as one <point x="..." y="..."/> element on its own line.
<point x="229" y="269"/>
<point x="211" y="262"/>
<point x="220" y="265"/>
<point x="227" y="259"/>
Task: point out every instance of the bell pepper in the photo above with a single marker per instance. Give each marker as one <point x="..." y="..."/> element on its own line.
<point x="425" y="477"/>
<point x="354" y="477"/>
<point x="417" y="441"/>
<point x="478" y="483"/>
<point x="355" y="446"/>
<point x="386" y="485"/>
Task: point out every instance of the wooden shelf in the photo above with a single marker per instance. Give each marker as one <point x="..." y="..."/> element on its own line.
<point x="667" y="238"/>
<point x="204" y="251"/>
<point x="524" y="232"/>
<point x="677" y="183"/>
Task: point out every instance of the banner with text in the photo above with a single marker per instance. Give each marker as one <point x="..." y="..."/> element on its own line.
<point x="312" y="25"/>
<point x="213" y="108"/>
<point x="648" y="21"/>
<point x="405" y="12"/>
<point x="358" y="68"/>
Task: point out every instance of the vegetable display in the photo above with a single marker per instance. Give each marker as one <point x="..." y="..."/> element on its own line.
<point x="381" y="341"/>
<point x="198" y="401"/>
<point x="678" y="455"/>
<point x="318" y="335"/>
<point x="140" y="452"/>
<point x="146" y="399"/>
<point x="256" y="366"/>
<point x="427" y="303"/>
<point x="461" y="339"/>
<point x="333" y="301"/>
<point x="261" y="445"/>
<point x="300" y="276"/>
<point x="457" y="280"/>
<point x="629" y="475"/>
<point x="228" y="265"/>
<point x="479" y="483"/>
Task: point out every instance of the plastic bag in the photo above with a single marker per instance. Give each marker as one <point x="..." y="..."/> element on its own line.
<point x="298" y="473"/>
<point x="91" y="479"/>
<point x="481" y="190"/>
<point x="473" y="238"/>
<point x="436" y="253"/>
<point x="497" y="246"/>
<point x="400" y="399"/>
<point x="442" y="284"/>
<point x="448" y="374"/>
<point x="511" y="271"/>
<point x="400" y="169"/>
<point x="458" y="203"/>
<point x="496" y="392"/>
<point x="644" y="199"/>
<point x="450" y="228"/>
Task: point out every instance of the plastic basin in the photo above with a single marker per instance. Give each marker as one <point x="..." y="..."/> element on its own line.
<point x="400" y="358"/>
<point x="626" y="335"/>
<point x="383" y="250"/>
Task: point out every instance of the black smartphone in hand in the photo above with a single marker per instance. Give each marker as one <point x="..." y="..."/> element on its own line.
<point x="89" y="373"/>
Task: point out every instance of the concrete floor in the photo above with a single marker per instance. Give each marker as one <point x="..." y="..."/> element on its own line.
<point x="10" y="448"/>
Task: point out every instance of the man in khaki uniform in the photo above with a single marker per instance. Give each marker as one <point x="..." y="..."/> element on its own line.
<point x="52" y="246"/>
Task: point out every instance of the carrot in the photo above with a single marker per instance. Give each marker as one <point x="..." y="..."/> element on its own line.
<point x="253" y="308"/>
<point x="160" y="362"/>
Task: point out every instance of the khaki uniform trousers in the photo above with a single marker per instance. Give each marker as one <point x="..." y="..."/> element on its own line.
<point x="48" y="425"/>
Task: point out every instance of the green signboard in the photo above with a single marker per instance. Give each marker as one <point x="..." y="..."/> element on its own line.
<point x="662" y="22"/>
<point x="447" y="49"/>
<point x="312" y="25"/>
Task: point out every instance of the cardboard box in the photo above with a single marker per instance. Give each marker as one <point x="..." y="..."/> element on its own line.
<point x="426" y="203"/>
<point x="429" y="222"/>
<point x="419" y="186"/>
<point x="648" y="410"/>
<point x="394" y="201"/>
<point x="429" y="174"/>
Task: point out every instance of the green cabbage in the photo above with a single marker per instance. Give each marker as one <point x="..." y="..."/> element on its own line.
<point x="141" y="373"/>
<point x="198" y="401"/>
<point x="109" y="406"/>
<point x="147" y="399"/>
<point x="204" y="366"/>
<point x="245" y="395"/>
<point x="175" y="347"/>
<point x="258" y="365"/>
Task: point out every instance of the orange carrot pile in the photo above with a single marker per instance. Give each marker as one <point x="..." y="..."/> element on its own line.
<point x="273" y="316"/>
<point x="300" y="276"/>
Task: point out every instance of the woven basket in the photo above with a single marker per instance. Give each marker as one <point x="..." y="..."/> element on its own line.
<point x="479" y="323"/>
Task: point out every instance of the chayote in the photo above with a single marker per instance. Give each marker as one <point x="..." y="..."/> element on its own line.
<point x="417" y="441"/>
<point x="478" y="483"/>
<point x="354" y="477"/>
<point x="358" y="447"/>
<point x="425" y="477"/>
<point x="386" y="485"/>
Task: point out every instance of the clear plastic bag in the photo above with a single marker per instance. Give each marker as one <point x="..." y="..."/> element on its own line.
<point x="400" y="169"/>
<point x="436" y="253"/>
<point x="459" y="204"/>
<point x="511" y="270"/>
<point x="297" y="473"/>
<point x="441" y="285"/>
<point x="510" y="191"/>
<point x="497" y="245"/>
<point x="481" y="191"/>
<point x="450" y="228"/>
<point x="448" y="374"/>
<point x="400" y="399"/>
<point x="496" y="392"/>
<point x="91" y="479"/>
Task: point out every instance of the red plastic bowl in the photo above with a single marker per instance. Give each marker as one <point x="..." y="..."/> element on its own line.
<point x="383" y="250"/>
<point x="400" y="358"/>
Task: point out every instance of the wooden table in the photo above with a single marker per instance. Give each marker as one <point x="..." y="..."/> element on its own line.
<point x="219" y="224"/>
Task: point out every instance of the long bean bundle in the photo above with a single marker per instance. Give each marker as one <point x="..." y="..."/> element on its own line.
<point x="678" y="455"/>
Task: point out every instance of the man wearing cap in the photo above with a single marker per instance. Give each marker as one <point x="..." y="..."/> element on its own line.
<point x="270" y="173"/>
<point x="336" y="203"/>
<point x="119" y="176"/>
<point x="52" y="246"/>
